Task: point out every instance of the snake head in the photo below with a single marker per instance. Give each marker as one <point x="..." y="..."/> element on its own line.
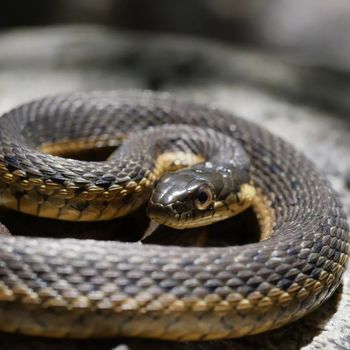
<point x="199" y="196"/>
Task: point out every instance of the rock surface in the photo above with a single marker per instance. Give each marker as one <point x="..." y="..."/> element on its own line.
<point x="307" y="106"/>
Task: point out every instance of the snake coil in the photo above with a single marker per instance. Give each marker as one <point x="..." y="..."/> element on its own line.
<point x="75" y="288"/>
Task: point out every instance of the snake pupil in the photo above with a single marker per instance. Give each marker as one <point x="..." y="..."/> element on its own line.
<point x="202" y="197"/>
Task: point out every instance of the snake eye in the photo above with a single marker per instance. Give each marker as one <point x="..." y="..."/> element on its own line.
<point x="204" y="198"/>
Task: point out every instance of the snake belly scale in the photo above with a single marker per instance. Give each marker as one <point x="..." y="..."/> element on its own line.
<point x="85" y="288"/>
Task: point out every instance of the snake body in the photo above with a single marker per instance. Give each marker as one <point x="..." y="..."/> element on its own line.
<point x="75" y="288"/>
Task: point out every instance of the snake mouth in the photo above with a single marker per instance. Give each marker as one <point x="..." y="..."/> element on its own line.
<point x="165" y="215"/>
<point x="168" y="215"/>
<point x="176" y="214"/>
<point x="159" y="213"/>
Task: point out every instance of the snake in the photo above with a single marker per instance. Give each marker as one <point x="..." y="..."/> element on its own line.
<point x="194" y="164"/>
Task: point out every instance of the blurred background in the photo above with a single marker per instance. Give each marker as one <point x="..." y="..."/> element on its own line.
<point x="282" y="63"/>
<point x="307" y="30"/>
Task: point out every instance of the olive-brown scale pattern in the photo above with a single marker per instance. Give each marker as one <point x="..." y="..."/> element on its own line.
<point x="45" y="185"/>
<point x="71" y="288"/>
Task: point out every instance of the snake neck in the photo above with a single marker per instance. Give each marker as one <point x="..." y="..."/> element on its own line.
<point x="172" y="147"/>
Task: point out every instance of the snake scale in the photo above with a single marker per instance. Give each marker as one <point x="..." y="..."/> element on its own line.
<point x="86" y="288"/>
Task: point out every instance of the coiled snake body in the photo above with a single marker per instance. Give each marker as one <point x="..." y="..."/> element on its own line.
<point x="75" y="288"/>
